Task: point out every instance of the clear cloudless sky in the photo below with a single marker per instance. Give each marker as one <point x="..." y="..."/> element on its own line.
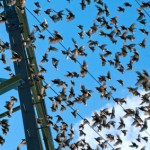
<point x="69" y="30"/>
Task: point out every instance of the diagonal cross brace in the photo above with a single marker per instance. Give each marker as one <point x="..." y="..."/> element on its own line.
<point x="6" y="113"/>
<point x="9" y="84"/>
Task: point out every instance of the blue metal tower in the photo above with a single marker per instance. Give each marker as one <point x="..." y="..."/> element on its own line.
<point x="17" y="28"/>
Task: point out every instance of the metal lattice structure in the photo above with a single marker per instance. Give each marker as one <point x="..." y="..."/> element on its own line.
<point x="17" y="28"/>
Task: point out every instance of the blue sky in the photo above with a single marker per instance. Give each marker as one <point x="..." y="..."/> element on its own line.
<point x="69" y="30"/>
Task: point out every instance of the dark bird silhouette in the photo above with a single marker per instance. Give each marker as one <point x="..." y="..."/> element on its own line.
<point x="118" y="141"/>
<point x="111" y="62"/>
<point x="81" y="34"/>
<point x="102" y="33"/>
<point x="108" y="76"/>
<point x="55" y="63"/>
<point x="144" y="126"/>
<point x="142" y="44"/>
<point x="37" y="28"/>
<point x="59" y="118"/>
<point x="74" y="113"/>
<point x="102" y="47"/>
<point x="143" y="148"/>
<point x="141" y="14"/>
<point x="127" y="4"/>
<point x="132" y="28"/>
<point x="44" y="25"/>
<point x="2" y="140"/>
<point x="102" y="79"/>
<point x="84" y="67"/>
<point x="138" y="138"/>
<point x="4" y="126"/>
<point x="23" y="142"/>
<point x="48" y="11"/>
<point x="120" y="9"/>
<point x="145" y="138"/>
<point x="124" y="132"/>
<point x="110" y="137"/>
<point x="41" y="36"/>
<point x="54" y="106"/>
<point x="134" y="91"/>
<point x="121" y="82"/>
<point x="81" y="133"/>
<point x="112" y="114"/>
<point x="114" y="20"/>
<point x="100" y="11"/>
<point x="113" y="88"/>
<point x="129" y="112"/>
<point x="98" y="139"/>
<point x="15" y="57"/>
<point x="104" y="144"/>
<point x="144" y="31"/>
<point x="70" y="15"/>
<point x="122" y="124"/>
<point x="37" y="4"/>
<point x="124" y="35"/>
<point x="52" y="48"/>
<point x="83" y="5"/>
<point x="63" y="126"/>
<point x="37" y="11"/>
<point x="3" y="58"/>
<point x="59" y="82"/>
<point x="143" y="80"/>
<point x="57" y="16"/>
<point x="62" y="108"/>
<point x="103" y="60"/>
<point x="67" y="53"/>
<point x="134" y="145"/>
<point x="123" y="28"/>
<point x="9" y="105"/>
<point x="56" y="38"/>
<point x="143" y="21"/>
<point x="72" y="74"/>
<point x="71" y="93"/>
<point x="106" y="10"/>
<point x="3" y="19"/>
<point x="45" y="58"/>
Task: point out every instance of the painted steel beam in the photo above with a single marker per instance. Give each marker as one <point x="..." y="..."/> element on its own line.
<point x="9" y="84"/>
<point x="28" y="114"/>
<point x="40" y="107"/>
<point x="14" y="110"/>
<point x="2" y="80"/>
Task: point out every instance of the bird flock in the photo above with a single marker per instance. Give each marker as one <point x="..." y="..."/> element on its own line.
<point x="128" y="42"/>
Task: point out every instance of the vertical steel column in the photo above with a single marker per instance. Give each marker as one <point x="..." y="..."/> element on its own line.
<point x="40" y="107"/>
<point x="27" y="109"/>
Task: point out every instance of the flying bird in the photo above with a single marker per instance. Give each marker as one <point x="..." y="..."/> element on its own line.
<point x="70" y="15"/>
<point x="74" y="113"/>
<point x="55" y="63"/>
<point x="15" y="57"/>
<point x="37" y="4"/>
<point x="23" y="142"/>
